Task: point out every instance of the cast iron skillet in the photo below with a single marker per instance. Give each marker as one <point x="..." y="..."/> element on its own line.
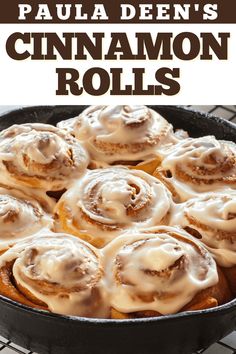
<point x="175" y="334"/>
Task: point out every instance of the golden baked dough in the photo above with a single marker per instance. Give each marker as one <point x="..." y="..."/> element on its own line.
<point x="54" y="272"/>
<point x="106" y="202"/>
<point x="126" y="186"/>
<point x="161" y="271"/>
<point x="195" y="166"/>
<point x="40" y="156"/>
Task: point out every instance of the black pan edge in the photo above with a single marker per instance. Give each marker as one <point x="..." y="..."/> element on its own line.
<point x="59" y="111"/>
<point x="112" y="322"/>
<point x="44" y="332"/>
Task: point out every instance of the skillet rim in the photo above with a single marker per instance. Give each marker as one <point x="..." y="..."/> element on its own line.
<point x="222" y="309"/>
<point x="215" y="311"/>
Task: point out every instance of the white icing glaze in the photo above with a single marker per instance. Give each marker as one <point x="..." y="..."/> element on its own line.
<point x="20" y="217"/>
<point x="155" y="270"/>
<point x="106" y="201"/>
<point x="61" y="271"/>
<point x="120" y="133"/>
<point x="213" y="215"/>
<point x="199" y="165"/>
<point x="47" y="157"/>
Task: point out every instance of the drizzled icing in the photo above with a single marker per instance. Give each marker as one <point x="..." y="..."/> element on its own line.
<point x="120" y="133"/>
<point x="61" y="271"/>
<point x="40" y="156"/>
<point x="106" y="202"/>
<point x="159" y="270"/>
<point x="198" y="165"/>
<point x="213" y="215"/>
<point x="20" y="216"/>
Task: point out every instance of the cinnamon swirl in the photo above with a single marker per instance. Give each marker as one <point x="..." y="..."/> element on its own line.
<point x="105" y="202"/>
<point x="154" y="236"/>
<point x="54" y="272"/>
<point x="40" y="156"/>
<point x="212" y="219"/>
<point x="120" y="134"/>
<point x="198" y="165"/>
<point x="161" y="271"/>
<point x="20" y="217"/>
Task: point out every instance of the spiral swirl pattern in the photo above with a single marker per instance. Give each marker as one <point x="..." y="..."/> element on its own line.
<point x="105" y="202"/>
<point x="212" y="218"/>
<point x="56" y="271"/>
<point x="158" y="270"/>
<point x="20" y="216"/>
<point x="115" y="134"/>
<point x="47" y="157"/>
<point x="198" y="165"/>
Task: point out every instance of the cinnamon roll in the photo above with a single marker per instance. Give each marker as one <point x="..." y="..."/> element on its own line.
<point x="21" y="216"/>
<point x="105" y="202"/>
<point x="120" y="134"/>
<point x="212" y="219"/>
<point x="161" y="271"/>
<point x="55" y="272"/>
<point x="198" y="165"/>
<point x="40" y="156"/>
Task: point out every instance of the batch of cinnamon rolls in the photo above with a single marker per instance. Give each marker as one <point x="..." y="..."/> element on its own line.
<point x="113" y="214"/>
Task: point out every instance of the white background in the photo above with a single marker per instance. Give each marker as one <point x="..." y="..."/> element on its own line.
<point x="35" y="82"/>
